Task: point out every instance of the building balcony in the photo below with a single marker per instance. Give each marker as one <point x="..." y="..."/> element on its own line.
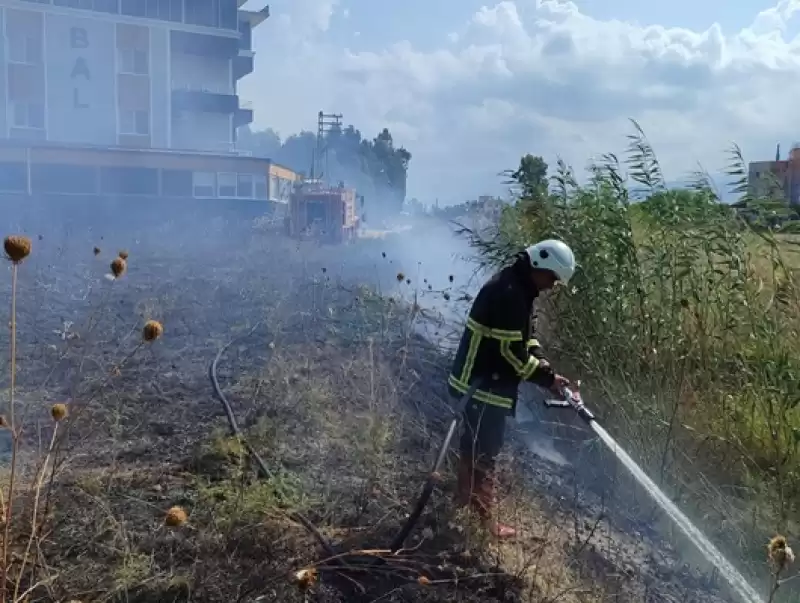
<point x="204" y="45"/>
<point x="243" y="115"/>
<point x="243" y="65"/>
<point x="254" y="17"/>
<point x="245" y="35"/>
<point x="203" y="101"/>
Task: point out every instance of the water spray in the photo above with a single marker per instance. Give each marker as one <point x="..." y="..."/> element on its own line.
<point x="739" y="585"/>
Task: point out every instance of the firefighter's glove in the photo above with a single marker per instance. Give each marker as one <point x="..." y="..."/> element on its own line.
<point x="559" y="383"/>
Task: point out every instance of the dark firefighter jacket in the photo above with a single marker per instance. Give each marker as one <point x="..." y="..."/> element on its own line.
<point x="498" y="344"/>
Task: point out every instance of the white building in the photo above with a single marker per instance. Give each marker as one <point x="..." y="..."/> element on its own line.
<point x="147" y="74"/>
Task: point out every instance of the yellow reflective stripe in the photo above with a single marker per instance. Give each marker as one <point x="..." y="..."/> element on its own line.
<point x="481" y="395"/>
<point x="472" y="353"/>
<point x="500" y="334"/>
<point x="533" y="343"/>
<point x="523" y="369"/>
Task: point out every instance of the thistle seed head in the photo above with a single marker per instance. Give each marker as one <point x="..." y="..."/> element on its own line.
<point x="176" y="517"/>
<point x="152" y="330"/>
<point x="96" y="251"/>
<point x="779" y="553"/>
<point x="17" y="247"/>
<point x="58" y="411"/>
<point x="118" y="267"/>
<point x="305" y="578"/>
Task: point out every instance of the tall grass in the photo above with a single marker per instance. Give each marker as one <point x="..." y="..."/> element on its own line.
<point x="684" y="321"/>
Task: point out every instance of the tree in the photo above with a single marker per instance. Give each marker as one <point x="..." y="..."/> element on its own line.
<point x="530" y="177"/>
<point x="375" y="168"/>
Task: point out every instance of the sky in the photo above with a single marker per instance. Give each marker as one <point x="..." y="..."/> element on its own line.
<point x="469" y="86"/>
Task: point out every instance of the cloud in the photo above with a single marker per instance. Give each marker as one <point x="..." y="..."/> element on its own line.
<point x="535" y="76"/>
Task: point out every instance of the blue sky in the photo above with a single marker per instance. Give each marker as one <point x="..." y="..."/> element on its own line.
<point x="468" y="86"/>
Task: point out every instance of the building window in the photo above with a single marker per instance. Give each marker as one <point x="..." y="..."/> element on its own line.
<point x="86" y="4"/>
<point x="245" y="186"/>
<point x="227" y="184"/>
<point x="165" y="10"/>
<point x="13" y="177"/>
<point x="202" y="12"/>
<point x="129" y="181"/>
<point x="176" y="183"/>
<point x="204" y="184"/>
<point x="132" y="61"/>
<point x="134" y="8"/>
<point x="64" y="179"/>
<point x="134" y="122"/>
<point x="228" y="15"/>
<point x="27" y="115"/>
<point x="103" y="6"/>
<point x="106" y="6"/>
<point x="260" y="185"/>
<point x="24" y="49"/>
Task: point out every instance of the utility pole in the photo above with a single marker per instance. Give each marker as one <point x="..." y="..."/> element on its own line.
<point x="326" y="122"/>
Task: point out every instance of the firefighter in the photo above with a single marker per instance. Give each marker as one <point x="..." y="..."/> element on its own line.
<point x="498" y="348"/>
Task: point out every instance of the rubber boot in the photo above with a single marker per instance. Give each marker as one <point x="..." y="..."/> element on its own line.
<point x="484" y="503"/>
<point x="464" y="488"/>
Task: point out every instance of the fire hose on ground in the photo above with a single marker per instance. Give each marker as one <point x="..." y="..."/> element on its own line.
<point x="264" y="471"/>
<point x="571" y="399"/>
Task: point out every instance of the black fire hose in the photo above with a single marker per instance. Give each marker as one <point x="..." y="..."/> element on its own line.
<point x="263" y="470"/>
<point x="433" y="476"/>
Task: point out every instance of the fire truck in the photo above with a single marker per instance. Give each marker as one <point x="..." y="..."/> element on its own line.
<point x="323" y="213"/>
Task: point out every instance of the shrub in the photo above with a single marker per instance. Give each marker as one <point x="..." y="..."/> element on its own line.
<point x="684" y="317"/>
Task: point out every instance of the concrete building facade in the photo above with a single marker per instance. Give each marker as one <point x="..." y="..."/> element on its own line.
<point x="155" y="74"/>
<point x="778" y="177"/>
<point x="129" y="97"/>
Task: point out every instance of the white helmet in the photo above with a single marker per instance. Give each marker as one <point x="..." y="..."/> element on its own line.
<point x="555" y="256"/>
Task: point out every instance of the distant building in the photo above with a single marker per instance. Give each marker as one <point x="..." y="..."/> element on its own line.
<point x="778" y="177"/>
<point x="129" y="97"/>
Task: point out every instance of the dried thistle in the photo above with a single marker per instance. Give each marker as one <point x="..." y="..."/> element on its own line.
<point x="123" y="254"/>
<point x="96" y="251"/>
<point x="305" y="578"/>
<point x="400" y="277"/>
<point x="176" y="517"/>
<point x="58" y="411"/>
<point x="118" y="267"/>
<point x="17" y="247"/>
<point x="780" y="553"/>
<point x="152" y="330"/>
<point x="446" y="296"/>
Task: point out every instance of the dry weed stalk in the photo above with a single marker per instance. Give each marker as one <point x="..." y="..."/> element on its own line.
<point x="17" y="248"/>
<point x="58" y="411"/>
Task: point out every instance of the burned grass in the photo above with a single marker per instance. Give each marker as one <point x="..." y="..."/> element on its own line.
<point x="344" y="404"/>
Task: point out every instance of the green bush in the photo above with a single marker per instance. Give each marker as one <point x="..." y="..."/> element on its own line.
<point x="683" y="320"/>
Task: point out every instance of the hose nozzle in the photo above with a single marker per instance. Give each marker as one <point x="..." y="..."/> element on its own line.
<point x="573" y="399"/>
